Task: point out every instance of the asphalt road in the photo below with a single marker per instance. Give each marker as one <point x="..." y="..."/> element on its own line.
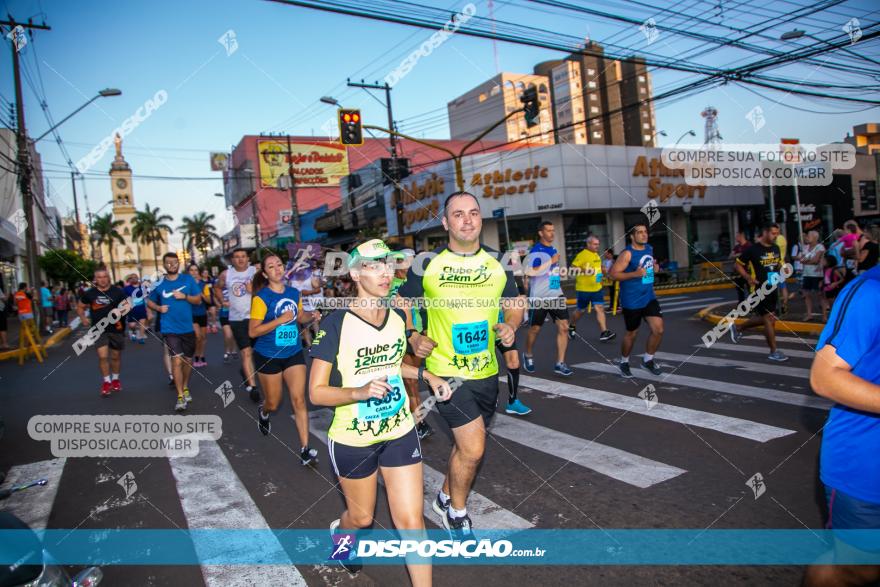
<point x="591" y="455"/>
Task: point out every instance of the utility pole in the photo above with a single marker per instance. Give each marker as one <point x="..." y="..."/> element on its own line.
<point x="24" y="169"/>
<point x="294" y="210"/>
<point x="76" y="213"/>
<point x="392" y="140"/>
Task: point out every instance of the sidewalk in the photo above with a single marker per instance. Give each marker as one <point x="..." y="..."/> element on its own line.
<point x="790" y="321"/>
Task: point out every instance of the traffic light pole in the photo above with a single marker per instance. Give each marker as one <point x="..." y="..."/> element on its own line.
<point x="456" y="157"/>
<point x="392" y="140"/>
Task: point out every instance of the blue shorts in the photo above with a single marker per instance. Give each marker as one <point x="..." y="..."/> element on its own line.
<point x="585" y="298"/>
<point x="137" y="313"/>
<point x="846" y="512"/>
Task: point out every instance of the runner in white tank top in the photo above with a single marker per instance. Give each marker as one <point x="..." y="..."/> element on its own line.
<point x="236" y="279"/>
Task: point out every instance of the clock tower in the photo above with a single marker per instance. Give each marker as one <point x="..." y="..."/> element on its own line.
<point x="130" y="256"/>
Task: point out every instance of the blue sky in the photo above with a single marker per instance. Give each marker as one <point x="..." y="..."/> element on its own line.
<point x="288" y="57"/>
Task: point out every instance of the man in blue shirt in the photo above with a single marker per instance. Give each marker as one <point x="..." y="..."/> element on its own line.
<point x="634" y="269"/>
<point x="174" y="297"/>
<point x="847" y="370"/>
<point x="545" y="297"/>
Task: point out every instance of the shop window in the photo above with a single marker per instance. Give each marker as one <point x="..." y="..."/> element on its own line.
<point x="710" y="234"/>
<point x="658" y="236"/>
<point x="577" y="227"/>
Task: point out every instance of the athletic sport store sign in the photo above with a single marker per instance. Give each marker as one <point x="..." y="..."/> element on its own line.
<point x="558" y="177"/>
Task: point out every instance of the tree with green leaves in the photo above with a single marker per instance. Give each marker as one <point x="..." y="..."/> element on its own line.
<point x="68" y="267"/>
<point x="150" y="227"/>
<point x="104" y="231"/>
<point x="198" y="233"/>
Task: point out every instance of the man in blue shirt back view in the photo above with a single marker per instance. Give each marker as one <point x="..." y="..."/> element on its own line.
<point x="174" y="297"/>
<point x="847" y="370"/>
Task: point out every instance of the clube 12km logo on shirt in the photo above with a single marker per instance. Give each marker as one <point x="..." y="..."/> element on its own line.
<point x="347" y="546"/>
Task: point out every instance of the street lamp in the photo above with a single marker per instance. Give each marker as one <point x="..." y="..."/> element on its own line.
<point x="798" y="33"/>
<point x="329" y="100"/>
<point x="690" y="132"/>
<point x="105" y="93"/>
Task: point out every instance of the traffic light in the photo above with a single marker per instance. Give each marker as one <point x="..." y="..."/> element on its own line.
<point x="350" y="131"/>
<point x="531" y="105"/>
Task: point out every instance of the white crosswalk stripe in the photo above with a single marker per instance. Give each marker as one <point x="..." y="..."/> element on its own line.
<point x="773" y="395"/>
<point x="801" y="340"/>
<point x="33" y="505"/>
<point x="484" y="512"/>
<point x="762" y="350"/>
<point x="612" y="462"/>
<point x="682" y="308"/>
<point x="767" y="367"/>
<point x="664" y="304"/>
<point x="726" y="424"/>
<point x="212" y="496"/>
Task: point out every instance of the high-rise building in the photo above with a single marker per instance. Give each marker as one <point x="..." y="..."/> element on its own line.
<point x="600" y="101"/>
<point x="476" y="110"/>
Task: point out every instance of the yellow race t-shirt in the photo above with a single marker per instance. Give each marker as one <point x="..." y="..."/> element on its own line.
<point x="590" y="264"/>
<point x="359" y="353"/>
<point x="462" y="296"/>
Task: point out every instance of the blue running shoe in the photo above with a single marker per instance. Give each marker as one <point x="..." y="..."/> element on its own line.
<point x="528" y="364"/>
<point x="517" y="408"/>
<point x="562" y="369"/>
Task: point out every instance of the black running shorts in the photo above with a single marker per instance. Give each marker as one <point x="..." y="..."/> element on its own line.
<point x="275" y="365"/>
<point x="180" y="344"/>
<point x="240" y="333"/>
<point x="473" y="398"/>
<point x="357" y="462"/>
<point x="633" y="317"/>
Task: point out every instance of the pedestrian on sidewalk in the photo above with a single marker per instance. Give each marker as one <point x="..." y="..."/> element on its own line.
<point x="61" y="305"/>
<point x="846" y="370"/>
<point x="46" y="307"/>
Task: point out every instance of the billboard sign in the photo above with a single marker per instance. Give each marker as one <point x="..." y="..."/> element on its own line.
<point x="315" y="164"/>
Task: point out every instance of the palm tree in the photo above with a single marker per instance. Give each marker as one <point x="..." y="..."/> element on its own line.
<point x="149" y="227"/>
<point x="104" y="230"/>
<point x="198" y="233"/>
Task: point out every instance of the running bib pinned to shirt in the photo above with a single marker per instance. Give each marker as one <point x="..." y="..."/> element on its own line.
<point x="599" y="277"/>
<point x="470" y="338"/>
<point x="287" y="335"/>
<point x="648" y="277"/>
<point x="377" y="408"/>
<point x="554" y="279"/>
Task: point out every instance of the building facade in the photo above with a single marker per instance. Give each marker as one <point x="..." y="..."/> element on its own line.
<point x="474" y="111"/>
<point x="600" y="101"/>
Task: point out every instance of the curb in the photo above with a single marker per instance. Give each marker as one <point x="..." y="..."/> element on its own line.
<point x="53" y="340"/>
<point x="708" y="315"/>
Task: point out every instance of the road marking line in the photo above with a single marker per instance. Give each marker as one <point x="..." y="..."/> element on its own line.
<point x="682" y="308"/>
<point x="33" y="506"/>
<point x="802" y="340"/>
<point x="744" y="348"/>
<point x="768" y="368"/>
<point x="691" y="301"/>
<point x="609" y="461"/>
<point x="663" y="411"/>
<point x="212" y="496"/>
<point x="483" y="511"/>
<point x="772" y="395"/>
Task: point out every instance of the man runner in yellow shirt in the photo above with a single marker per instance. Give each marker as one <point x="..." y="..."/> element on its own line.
<point x="463" y="286"/>
<point x="588" y="285"/>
